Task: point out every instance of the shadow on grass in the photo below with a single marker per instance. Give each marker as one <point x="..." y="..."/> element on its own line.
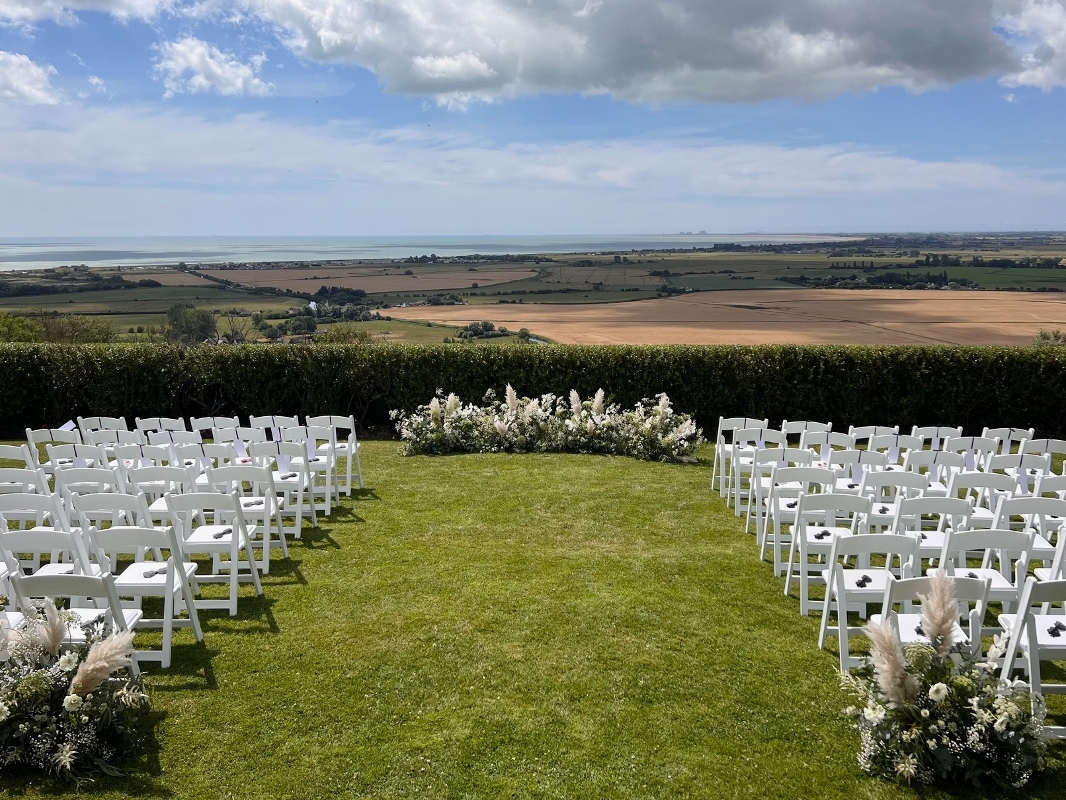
<point x="249" y="610"/>
<point x="191" y="662"/>
<point x="287" y="569"/>
<point x="316" y="538"/>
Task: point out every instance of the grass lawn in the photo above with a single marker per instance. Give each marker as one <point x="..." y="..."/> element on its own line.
<point x="508" y="626"/>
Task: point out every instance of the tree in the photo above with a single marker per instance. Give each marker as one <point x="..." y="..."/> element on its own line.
<point x="187" y="324"/>
<point x="19" y="329"/>
<point x="73" y="328"/>
<point x="237" y="327"/>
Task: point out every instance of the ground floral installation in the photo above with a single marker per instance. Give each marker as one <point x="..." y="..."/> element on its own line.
<point x="651" y="430"/>
<point x="69" y="713"/>
<point x="929" y="716"/>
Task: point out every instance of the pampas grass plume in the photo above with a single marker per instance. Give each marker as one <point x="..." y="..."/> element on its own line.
<point x="575" y="403"/>
<point x="940" y="612"/>
<point x="512" y="398"/>
<point x="51" y="631"/>
<point x="598" y="403"/>
<point x="890" y="665"/>
<point x="105" y="658"/>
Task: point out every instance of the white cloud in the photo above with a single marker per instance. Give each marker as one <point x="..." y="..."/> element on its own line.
<point x="23" y="80"/>
<point x="193" y="65"/>
<point x="25" y="12"/>
<point x="1038" y="28"/>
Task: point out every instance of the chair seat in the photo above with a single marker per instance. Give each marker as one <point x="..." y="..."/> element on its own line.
<point x="820" y="537"/>
<point x="148" y="577"/>
<point x="874" y="588"/>
<point x="910" y="624"/>
<point x="931" y="543"/>
<point x="1001" y="588"/>
<point x="75" y="635"/>
<point x="1049" y="644"/>
<point x="1044" y="574"/>
<point x="214" y="537"/>
<point x="60" y="568"/>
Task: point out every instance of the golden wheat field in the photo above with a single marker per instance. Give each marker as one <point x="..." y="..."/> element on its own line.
<point x="782" y="316"/>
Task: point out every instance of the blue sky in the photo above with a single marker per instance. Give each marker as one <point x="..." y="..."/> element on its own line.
<point x="252" y="117"/>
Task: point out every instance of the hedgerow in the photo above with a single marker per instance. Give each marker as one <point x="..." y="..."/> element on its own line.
<point x="968" y="386"/>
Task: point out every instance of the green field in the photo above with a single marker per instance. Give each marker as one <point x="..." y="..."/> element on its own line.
<point x="563" y="279"/>
<point x="509" y="626"/>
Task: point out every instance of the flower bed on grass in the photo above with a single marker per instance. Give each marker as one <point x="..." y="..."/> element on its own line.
<point x="651" y="430"/>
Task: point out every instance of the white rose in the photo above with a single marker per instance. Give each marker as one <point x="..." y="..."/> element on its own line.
<point x="874" y="714"/>
<point x="938" y="692"/>
<point x="72" y="703"/>
<point x="68" y="662"/>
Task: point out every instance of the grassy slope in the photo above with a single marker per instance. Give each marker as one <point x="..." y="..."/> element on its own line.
<point x="509" y="626"/>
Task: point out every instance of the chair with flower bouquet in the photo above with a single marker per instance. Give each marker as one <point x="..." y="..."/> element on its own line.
<point x="1037" y="633"/>
<point x="907" y="622"/>
<point x="91" y="599"/>
<point x="820" y="519"/>
<point x="850" y="589"/>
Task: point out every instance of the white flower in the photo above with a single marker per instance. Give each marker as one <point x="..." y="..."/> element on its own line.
<point x="64" y="757"/>
<point x="907" y="766"/>
<point x="874" y="714"/>
<point x="68" y="662"/>
<point x="925" y="713"/>
<point x="938" y="692"/>
<point x="931" y="744"/>
<point x="72" y="703"/>
<point x="1002" y="723"/>
<point x="501" y="427"/>
<point x="5" y="711"/>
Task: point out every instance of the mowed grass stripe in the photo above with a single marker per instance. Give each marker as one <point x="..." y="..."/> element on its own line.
<point x="508" y="626"/>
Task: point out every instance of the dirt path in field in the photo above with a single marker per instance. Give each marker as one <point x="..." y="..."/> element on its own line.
<point x="785" y="316"/>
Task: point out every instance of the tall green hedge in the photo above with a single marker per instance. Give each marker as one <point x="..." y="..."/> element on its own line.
<point x="969" y="386"/>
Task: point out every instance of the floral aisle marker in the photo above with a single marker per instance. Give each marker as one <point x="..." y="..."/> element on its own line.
<point x="931" y="715"/>
<point x="651" y="430"/>
<point x="70" y="714"/>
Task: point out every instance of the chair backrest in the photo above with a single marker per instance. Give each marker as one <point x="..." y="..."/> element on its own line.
<point x="757" y="438"/>
<point x="341" y="423"/>
<point x="158" y="481"/>
<point x="935" y="435"/>
<point x="252" y="434"/>
<point x="87" y="479"/>
<point x="278" y="421"/>
<point x="804" y="425"/>
<point x="99" y="588"/>
<point x="949" y="512"/>
<point x="43" y="508"/>
<point x="167" y="438"/>
<point x="976" y="449"/>
<point x="1010" y="548"/>
<point x="160" y="424"/>
<point x="233" y="479"/>
<point x="1033" y="593"/>
<point x="86" y="424"/>
<point x="111" y="436"/>
<point x="829" y="507"/>
<point x="112" y="508"/>
<point x="17" y="452"/>
<point x="18" y="480"/>
<point x="1023" y="467"/>
<point x="75" y="455"/>
<point x="1043" y="513"/>
<point x="726" y="425"/>
<point x="201" y="424"/>
<point x="281" y="453"/>
<point x="906" y="591"/>
<point x="1054" y="485"/>
<point x="1008" y="437"/>
<point x="198" y="457"/>
<point x="895" y="446"/>
<point x="190" y="510"/>
<point x="45" y="436"/>
<point x="142" y="455"/>
<point x="983" y="488"/>
<point x="1054" y="447"/>
<point x="119" y="540"/>
<point x="885" y="485"/>
<point x="937" y="464"/>
<point x="825" y="442"/>
<point x="14" y="542"/>
<point x="889" y="545"/>
<point x="864" y="432"/>
<point x="791" y="481"/>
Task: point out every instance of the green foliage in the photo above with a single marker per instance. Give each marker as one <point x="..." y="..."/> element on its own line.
<point x="968" y="386"/>
<point x="345" y="333"/>
<point x="19" y="329"/>
<point x="1048" y="338"/>
<point x="187" y="324"/>
<point x="74" y="329"/>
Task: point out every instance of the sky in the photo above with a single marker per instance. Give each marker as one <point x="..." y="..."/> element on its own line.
<point x="435" y="117"/>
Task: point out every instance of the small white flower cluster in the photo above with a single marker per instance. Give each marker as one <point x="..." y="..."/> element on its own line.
<point x="652" y="430"/>
<point x="961" y="724"/>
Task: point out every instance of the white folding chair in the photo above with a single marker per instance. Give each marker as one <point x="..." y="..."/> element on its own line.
<point x="322" y="465"/>
<point x="723" y="446"/>
<point x="850" y="465"/>
<point x="935" y="435"/>
<point x="1008" y="549"/>
<point x="1008" y="437"/>
<point x="786" y="485"/>
<point x="156" y="483"/>
<point x="172" y="579"/>
<point x="92" y="598"/>
<point x="86" y="424"/>
<point x="763" y="463"/>
<point x="36" y="439"/>
<point x="938" y="466"/>
<point x="225" y="534"/>
<point x="260" y="503"/>
<point x="886" y="489"/>
<point x="854" y="588"/>
<point x="201" y="424"/>
<point x="745" y="442"/>
<point x="74" y="455"/>
<point x="822" y="444"/>
<point x="291" y="477"/>
<point x="928" y="519"/>
<point x="150" y="424"/>
<point x="23" y="548"/>
<point x="1056" y="448"/>
<point x="976" y="449"/>
<point x="1036" y="637"/>
<point x="17" y="452"/>
<point x="1042" y="517"/>
<point x="895" y="447"/>
<point x="907" y="622"/>
<point x="863" y="433"/>
<point x="983" y="490"/>
<point x="16" y="480"/>
<point x="86" y="480"/>
<point x="346" y="446"/>
<point x="818" y="524"/>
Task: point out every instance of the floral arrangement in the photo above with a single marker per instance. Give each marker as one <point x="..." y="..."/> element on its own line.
<point x="651" y="430"/>
<point x="67" y="713"/>
<point x="932" y="714"/>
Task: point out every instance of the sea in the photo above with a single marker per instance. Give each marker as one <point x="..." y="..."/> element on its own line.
<point x="45" y="253"/>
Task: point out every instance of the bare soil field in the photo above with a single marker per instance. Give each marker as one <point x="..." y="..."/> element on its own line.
<point x="372" y="280"/>
<point x="780" y="316"/>
<point x="167" y="277"/>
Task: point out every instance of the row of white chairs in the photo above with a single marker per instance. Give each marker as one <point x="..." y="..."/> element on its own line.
<point x="986" y="523"/>
<point x="336" y="435"/>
